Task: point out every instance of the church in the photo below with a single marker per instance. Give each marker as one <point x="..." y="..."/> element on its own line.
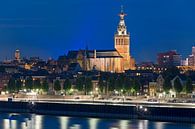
<point x="115" y="60"/>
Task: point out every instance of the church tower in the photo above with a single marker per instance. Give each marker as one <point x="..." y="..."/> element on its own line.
<point x="122" y="43"/>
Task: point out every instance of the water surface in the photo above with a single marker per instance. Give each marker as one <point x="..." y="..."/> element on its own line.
<point x="32" y="121"/>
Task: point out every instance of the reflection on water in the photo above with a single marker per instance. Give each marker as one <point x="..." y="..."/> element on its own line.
<point x="28" y="121"/>
<point x="63" y="122"/>
<point x="93" y="123"/>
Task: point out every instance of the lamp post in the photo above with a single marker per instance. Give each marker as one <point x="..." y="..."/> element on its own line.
<point x="97" y="90"/>
<point x="33" y="83"/>
<point x="84" y="89"/>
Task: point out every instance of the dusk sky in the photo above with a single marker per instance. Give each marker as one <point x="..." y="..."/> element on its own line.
<point x="49" y="28"/>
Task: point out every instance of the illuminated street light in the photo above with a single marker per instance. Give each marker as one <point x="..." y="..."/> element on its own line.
<point x="96" y="89"/>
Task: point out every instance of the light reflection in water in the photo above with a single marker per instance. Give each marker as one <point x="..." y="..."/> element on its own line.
<point x="143" y="124"/>
<point x="6" y="124"/>
<point x="64" y="122"/>
<point x="13" y="124"/>
<point x="160" y="125"/>
<point x="58" y="122"/>
<point x="36" y="122"/>
<point x="10" y="124"/>
<point x="93" y="123"/>
<point x="124" y="124"/>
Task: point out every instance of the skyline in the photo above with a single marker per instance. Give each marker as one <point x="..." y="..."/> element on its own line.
<point x="50" y="29"/>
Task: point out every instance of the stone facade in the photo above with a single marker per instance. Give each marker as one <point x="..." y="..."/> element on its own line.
<point x="122" y="43"/>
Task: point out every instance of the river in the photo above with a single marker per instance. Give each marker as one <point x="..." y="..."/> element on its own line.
<point x="33" y="121"/>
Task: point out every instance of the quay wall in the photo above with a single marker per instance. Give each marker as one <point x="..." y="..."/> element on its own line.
<point x="102" y="111"/>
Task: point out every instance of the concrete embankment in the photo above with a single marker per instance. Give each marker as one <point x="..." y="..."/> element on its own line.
<point x="105" y="110"/>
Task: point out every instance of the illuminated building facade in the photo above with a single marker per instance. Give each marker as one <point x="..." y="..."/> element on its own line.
<point x="17" y="55"/>
<point x="122" y="43"/>
<point x="191" y="59"/>
<point x="169" y="59"/>
<point x="116" y="60"/>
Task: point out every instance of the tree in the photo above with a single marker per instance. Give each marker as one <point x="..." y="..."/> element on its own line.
<point x="102" y="84"/>
<point x="189" y="86"/>
<point x="29" y="83"/>
<point x="80" y="81"/>
<point x="111" y="83"/>
<point x="37" y="84"/>
<point x="88" y="85"/>
<point x="136" y="85"/>
<point x="18" y="85"/>
<point x="57" y="86"/>
<point x="67" y="85"/>
<point x="171" y="72"/>
<point x="177" y="85"/>
<point x="119" y="82"/>
<point x="45" y="86"/>
<point x="167" y="85"/>
<point x="127" y="84"/>
<point x="11" y="85"/>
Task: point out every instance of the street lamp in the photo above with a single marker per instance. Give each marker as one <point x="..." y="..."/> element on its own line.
<point x="96" y="89"/>
<point x="122" y="91"/>
<point x="33" y="83"/>
<point x="84" y="89"/>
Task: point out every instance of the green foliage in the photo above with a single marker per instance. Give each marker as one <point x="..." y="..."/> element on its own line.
<point x="84" y="84"/>
<point x="67" y="84"/>
<point x="29" y="83"/>
<point x="18" y="85"/>
<point x="88" y="85"/>
<point x="136" y="85"/>
<point x="178" y="86"/>
<point x="119" y="82"/>
<point x="127" y="84"/>
<point x="111" y="83"/>
<point x="167" y="85"/>
<point x="45" y="86"/>
<point x="37" y="84"/>
<point x="189" y="86"/>
<point x="11" y="85"/>
<point x="102" y="84"/>
<point x="14" y="85"/>
<point x="57" y="86"/>
<point x="80" y="83"/>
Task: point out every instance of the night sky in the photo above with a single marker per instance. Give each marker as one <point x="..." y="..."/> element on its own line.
<point x="49" y="28"/>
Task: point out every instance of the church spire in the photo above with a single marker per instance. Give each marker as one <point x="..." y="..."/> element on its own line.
<point x="122" y="9"/>
<point x="122" y="29"/>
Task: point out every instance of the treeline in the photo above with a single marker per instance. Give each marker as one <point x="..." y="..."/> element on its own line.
<point x="106" y="82"/>
<point x="178" y="85"/>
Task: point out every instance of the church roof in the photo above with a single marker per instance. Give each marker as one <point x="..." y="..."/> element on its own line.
<point x="104" y="54"/>
<point x="72" y="54"/>
<point x="91" y="53"/>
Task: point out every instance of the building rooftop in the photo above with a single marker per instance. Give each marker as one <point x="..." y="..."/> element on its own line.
<point x="91" y="54"/>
